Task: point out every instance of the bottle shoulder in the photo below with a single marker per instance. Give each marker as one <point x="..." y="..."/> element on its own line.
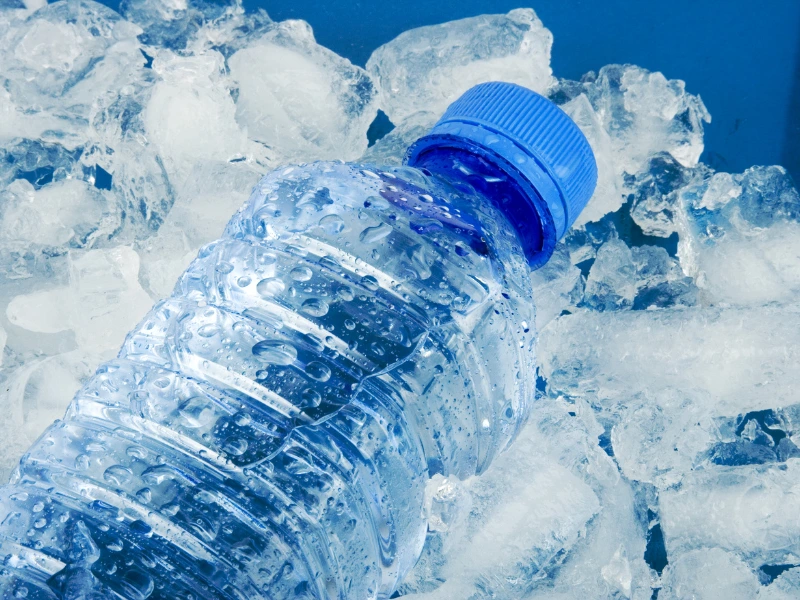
<point x="355" y="207"/>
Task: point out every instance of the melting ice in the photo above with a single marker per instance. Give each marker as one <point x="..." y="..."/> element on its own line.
<point x="661" y="456"/>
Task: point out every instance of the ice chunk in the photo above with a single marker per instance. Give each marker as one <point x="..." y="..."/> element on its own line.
<point x="750" y="510"/>
<point x="212" y="192"/>
<point x="51" y="59"/>
<point x="785" y="586"/>
<point x="74" y="79"/>
<point x="610" y="558"/>
<point x="102" y="303"/>
<point x="425" y="69"/>
<point x="64" y="212"/>
<point x="301" y="99"/>
<point x="743" y="358"/>
<point x="656" y="193"/>
<point x="709" y="574"/>
<point x="629" y="115"/>
<point x="520" y="519"/>
<point x="35" y="394"/>
<point x="172" y="23"/>
<point x="740" y="236"/>
<point x="640" y="277"/>
<point x="190" y="115"/>
<point x="611" y="284"/>
<point x="556" y="286"/>
<point x="662" y="435"/>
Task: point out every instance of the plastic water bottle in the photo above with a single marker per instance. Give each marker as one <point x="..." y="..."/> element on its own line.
<point x="268" y="430"/>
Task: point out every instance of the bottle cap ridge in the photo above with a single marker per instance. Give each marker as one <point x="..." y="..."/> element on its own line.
<point x="533" y="142"/>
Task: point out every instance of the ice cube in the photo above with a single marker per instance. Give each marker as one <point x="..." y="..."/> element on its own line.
<point x="709" y="574"/>
<point x="427" y="68"/>
<point x="743" y="358"/>
<point x="172" y="23"/>
<point x="749" y="510"/>
<point x="629" y="115"/>
<point x="299" y="98"/>
<point x="101" y="304"/>
<point x="740" y="236"/>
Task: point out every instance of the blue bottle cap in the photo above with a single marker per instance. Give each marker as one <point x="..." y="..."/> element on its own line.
<point x="520" y="150"/>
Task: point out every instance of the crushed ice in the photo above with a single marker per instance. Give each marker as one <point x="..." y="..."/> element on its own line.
<point x="661" y="457"/>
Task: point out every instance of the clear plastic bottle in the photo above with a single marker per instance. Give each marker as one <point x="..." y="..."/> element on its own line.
<point x="268" y="430"/>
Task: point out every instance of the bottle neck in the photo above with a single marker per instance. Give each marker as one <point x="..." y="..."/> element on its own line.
<point x="462" y="163"/>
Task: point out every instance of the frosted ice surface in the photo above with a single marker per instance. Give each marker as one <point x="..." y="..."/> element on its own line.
<point x="662" y="451"/>
<point x="629" y="115"/>
<point x="301" y="99"/>
<point x="710" y="574"/>
<point x="102" y="302"/>
<point x="748" y="509"/>
<point x="172" y="23"/>
<point x="505" y="531"/>
<point x="744" y="358"/>
<point x="429" y="67"/>
<point x="190" y="115"/>
<point x="740" y="236"/>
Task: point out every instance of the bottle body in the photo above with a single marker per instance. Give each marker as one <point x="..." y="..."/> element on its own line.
<point x="269" y="429"/>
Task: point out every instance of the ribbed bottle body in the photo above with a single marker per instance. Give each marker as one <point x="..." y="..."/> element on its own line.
<point x="268" y="431"/>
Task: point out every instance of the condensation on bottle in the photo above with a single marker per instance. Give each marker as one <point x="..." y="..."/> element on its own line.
<point x="268" y="430"/>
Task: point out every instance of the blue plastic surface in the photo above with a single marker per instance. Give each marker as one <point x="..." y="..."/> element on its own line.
<point x="534" y="156"/>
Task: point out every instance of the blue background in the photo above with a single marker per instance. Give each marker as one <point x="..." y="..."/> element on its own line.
<point x="741" y="56"/>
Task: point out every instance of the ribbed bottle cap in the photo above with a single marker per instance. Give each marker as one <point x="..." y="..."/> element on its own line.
<point x="532" y="142"/>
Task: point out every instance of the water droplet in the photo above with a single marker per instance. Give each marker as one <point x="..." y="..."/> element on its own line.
<point x="332" y="224"/>
<point x="270" y="287"/>
<point x="196" y="412"/>
<point x="117" y="475"/>
<point x="144" y="495"/>
<point x="136" y="584"/>
<point x="224" y="268"/>
<point x="301" y="273"/>
<point x="344" y="293"/>
<point x="235" y="446"/>
<point x="208" y="331"/>
<point x="275" y="352"/>
<point x="316" y="307"/>
<point x="136" y="452"/>
<point x="317" y="370"/>
<point x="311" y="398"/>
<point x="81" y="462"/>
<point x="243" y="281"/>
<point x="349" y="324"/>
<point x="374" y="234"/>
<point x="424" y="226"/>
<point x="369" y="282"/>
<point x="115" y="544"/>
<point x="38" y="507"/>
<point x="39" y="523"/>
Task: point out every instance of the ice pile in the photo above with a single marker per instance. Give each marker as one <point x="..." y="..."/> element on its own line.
<point x="661" y="457"/>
